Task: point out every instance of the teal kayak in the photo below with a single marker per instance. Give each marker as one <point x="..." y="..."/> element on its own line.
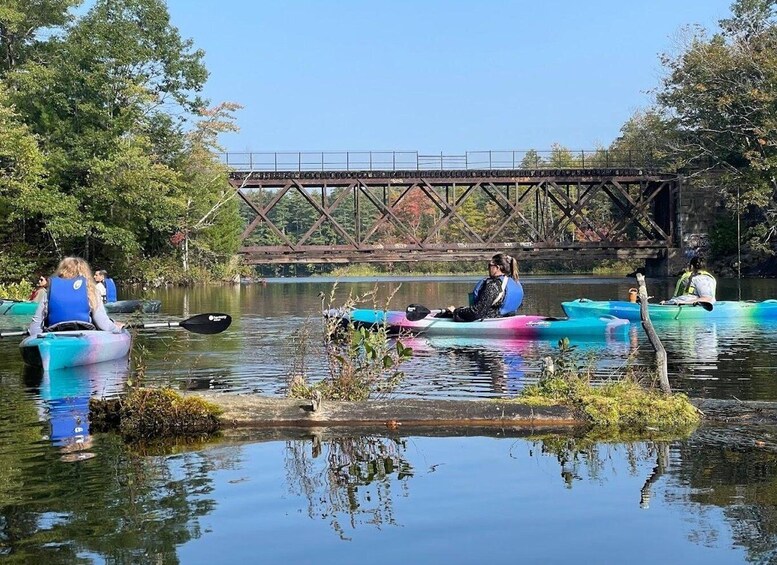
<point x="525" y="327"/>
<point x="129" y="306"/>
<point x="17" y="308"/>
<point x="24" y="308"/>
<point x="58" y="350"/>
<point x="721" y="310"/>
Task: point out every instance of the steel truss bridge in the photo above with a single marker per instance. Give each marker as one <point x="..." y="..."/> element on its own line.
<point x="331" y="214"/>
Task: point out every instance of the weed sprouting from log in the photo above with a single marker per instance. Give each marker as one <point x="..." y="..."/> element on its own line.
<point x="621" y="402"/>
<point x="150" y="413"/>
<point x="361" y="362"/>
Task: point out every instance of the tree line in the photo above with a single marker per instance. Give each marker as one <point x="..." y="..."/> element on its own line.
<point x="109" y="151"/>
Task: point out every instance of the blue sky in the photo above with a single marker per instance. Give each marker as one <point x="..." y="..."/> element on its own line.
<point x="434" y="76"/>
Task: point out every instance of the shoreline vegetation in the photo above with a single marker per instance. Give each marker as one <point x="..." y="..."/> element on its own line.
<point x="93" y="165"/>
<point x="21" y="289"/>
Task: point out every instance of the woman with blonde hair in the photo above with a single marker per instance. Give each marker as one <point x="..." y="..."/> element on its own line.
<point x="72" y="301"/>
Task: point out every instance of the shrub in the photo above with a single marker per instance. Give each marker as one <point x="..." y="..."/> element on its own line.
<point x="151" y="413"/>
<point x="622" y="403"/>
<point x="362" y="362"/>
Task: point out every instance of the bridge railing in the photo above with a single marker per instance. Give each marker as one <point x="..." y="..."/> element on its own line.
<point x="415" y="161"/>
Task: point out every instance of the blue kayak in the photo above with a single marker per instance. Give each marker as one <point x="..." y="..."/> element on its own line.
<point x="740" y="311"/>
<point x="58" y="350"/>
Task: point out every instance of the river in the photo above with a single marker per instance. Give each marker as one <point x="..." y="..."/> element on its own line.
<point x="346" y="498"/>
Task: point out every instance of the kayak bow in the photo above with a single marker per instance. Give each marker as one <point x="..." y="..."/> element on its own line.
<point x="58" y="350"/>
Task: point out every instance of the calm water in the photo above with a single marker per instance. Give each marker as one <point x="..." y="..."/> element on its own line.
<point x="67" y="496"/>
<point x="257" y="353"/>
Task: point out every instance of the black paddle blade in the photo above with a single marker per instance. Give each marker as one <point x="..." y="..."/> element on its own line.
<point x="207" y="323"/>
<point x="416" y="312"/>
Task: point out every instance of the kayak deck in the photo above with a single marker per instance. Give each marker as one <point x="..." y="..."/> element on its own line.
<point x="58" y="350"/>
<point x="17" y="308"/>
<point x="722" y="310"/>
<point x="129" y="306"/>
<point x="523" y="326"/>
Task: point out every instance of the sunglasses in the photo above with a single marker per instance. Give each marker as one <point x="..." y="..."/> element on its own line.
<point x="492" y="264"/>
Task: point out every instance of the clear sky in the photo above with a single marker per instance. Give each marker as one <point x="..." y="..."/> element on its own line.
<point x="431" y="75"/>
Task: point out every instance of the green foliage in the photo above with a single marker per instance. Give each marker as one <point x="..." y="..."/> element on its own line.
<point x="723" y="237"/>
<point x="161" y="270"/>
<point x="20" y="23"/>
<point x="152" y="413"/>
<point x="362" y="362"/>
<point x="95" y="158"/>
<point x="622" y="404"/>
<point x="719" y="98"/>
<point x="14" y="269"/>
<point x="16" y="291"/>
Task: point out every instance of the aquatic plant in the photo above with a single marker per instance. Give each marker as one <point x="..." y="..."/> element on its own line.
<point x="152" y="413"/>
<point x="361" y="362"/>
<point x="626" y="401"/>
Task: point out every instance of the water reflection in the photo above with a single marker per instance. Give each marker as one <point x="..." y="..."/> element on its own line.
<point x="507" y="365"/>
<point x="339" y="476"/>
<point x="64" y="401"/>
<point x="299" y="495"/>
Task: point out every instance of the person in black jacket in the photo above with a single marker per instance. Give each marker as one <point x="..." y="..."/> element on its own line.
<point x="499" y="294"/>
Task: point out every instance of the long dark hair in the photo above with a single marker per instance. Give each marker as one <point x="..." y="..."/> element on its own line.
<point x="507" y="263"/>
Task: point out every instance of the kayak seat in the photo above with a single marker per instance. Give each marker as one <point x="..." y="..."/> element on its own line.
<point x="70" y="327"/>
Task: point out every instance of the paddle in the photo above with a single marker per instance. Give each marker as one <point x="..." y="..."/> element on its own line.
<point x="706" y="304"/>
<point x="199" y="324"/>
<point x="415" y="312"/>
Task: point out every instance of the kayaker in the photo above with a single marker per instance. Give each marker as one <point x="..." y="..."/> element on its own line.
<point x="110" y="286"/>
<point x="40" y="291"/>
<point x="71" y="301"/>
<point x="99" y="285"/>
<point x="696" y="284"/>
<point x="499" y="294"/>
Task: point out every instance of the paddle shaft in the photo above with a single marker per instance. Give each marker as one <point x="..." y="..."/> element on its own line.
<point x="211" y="323"/>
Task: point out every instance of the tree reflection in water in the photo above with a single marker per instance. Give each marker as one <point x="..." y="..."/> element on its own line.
<point x="348" y="478"/>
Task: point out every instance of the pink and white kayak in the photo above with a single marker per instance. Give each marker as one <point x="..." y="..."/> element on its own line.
<point x="523" y="326"/>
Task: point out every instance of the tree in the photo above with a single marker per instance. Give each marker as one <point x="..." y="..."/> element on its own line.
<point x="720" y="97"/>
<point x="101" y="103"/>
<point x="210" y="218"/>
<point x="20" y="23"/>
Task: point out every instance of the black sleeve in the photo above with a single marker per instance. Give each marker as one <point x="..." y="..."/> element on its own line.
<point x="482" y="308"/>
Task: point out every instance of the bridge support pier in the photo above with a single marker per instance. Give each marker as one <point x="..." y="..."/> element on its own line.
<point x="658" y="267"/>
<point x="669" y="264"/>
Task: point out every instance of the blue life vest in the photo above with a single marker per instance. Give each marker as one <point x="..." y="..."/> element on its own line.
<point x="512" y="298"/>
<point x="68" y="301"/>
<point x="69" y="420"/>
<point x="110" y="290"/>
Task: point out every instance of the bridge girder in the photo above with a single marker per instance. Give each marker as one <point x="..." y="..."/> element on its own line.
<point x="387" y="216"/>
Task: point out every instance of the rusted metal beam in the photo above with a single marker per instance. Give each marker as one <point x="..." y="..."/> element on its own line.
<point x="547" y="209"/>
